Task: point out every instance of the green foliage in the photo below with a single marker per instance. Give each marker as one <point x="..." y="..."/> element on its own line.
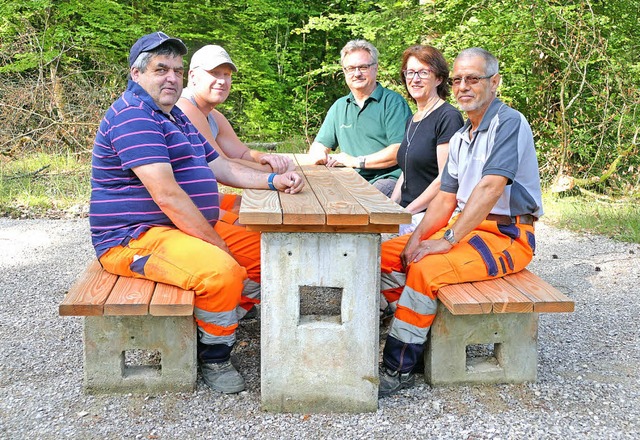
<point x="71" y="34"/>
<point x="572" y="68"/>
<point x="43" y="184"/>
<point x="564" y="69"/>
<point x="618" y="219"/>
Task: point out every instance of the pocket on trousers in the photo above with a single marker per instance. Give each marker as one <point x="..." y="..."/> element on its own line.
<point x="485" y="253"/>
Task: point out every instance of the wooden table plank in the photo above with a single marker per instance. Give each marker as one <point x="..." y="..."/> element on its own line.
<point x="381" y="208"/>
<point x="340" y="206"/>
<point x="303" y="159"/>
<point x="504" y="297"/>
<point x="89" y="293"/>
<point x="464" y="299"/>
<point x="546" y="298"/>
<point x="260" y="207"/>
<point x="358" y="229"/>
<point x="130" y="296"/>
<point x="328" y="203"/>
<point x="170" y="300"/>
<point x="302" y="208"/>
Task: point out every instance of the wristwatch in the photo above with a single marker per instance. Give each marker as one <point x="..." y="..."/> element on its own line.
<point x="362" y="161"/>
<point x="449" y="236"/>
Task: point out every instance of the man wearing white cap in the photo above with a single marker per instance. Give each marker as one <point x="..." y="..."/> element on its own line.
<point x="154" y="210"/>
<point x="209" y="84"/>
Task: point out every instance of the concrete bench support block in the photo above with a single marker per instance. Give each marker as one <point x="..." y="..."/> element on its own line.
<point x="320" y="363"/>
<point x="514" y="336"/>
<point x="107" y="338"/>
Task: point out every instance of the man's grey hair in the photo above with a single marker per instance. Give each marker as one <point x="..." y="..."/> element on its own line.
<point x="355" y="45"/>
<point x="490" y="62"/>
<point x="143" y="60"/>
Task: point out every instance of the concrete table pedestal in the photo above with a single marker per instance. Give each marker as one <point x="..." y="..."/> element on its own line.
<point x="319" y="322"/>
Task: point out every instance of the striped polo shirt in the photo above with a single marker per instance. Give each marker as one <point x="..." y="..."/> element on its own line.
<point x="136" y="132"/>
<point x="502" y="145"/>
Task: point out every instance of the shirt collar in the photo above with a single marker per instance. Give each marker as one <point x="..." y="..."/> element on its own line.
<point x="375" y="95"/>
<point x="492" y="110"/>
<point x="142" y="94"/>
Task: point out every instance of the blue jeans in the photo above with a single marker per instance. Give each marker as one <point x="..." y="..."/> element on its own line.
<point x="385" y="186"/>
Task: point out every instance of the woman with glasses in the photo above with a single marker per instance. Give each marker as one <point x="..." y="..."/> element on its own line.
<point x="424" y="149"/>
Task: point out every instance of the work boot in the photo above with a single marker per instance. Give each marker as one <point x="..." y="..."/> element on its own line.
<point x="252" y="313"/>
<point x="386" y="315"/>
<point x="393" y="381"/>
<point x="222" y="377"/>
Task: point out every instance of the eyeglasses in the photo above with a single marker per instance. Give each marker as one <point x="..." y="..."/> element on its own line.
<point x="351" y="70"/>
<point x="469" y="80"/>
<point x="409" y="75"/>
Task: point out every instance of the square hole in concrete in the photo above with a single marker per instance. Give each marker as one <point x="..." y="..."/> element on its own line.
<point x="141" y="362"/>
<point x="320" y="303"/>
<point x="481" y="358"/>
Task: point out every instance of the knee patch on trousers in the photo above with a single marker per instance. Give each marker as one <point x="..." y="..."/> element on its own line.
<point x="138" y="264"/>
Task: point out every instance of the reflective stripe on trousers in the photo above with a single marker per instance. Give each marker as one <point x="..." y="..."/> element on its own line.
<point x="490" y="251"/>
<point x="170" y="256"/>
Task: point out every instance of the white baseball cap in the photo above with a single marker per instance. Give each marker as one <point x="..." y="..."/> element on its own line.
<point x="211" y="56"/>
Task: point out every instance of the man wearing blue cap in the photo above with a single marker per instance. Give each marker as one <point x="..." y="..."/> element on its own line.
<point x="154" y="206"/>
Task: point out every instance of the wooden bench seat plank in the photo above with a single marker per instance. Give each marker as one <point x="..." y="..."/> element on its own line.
<point x="170" y="300"/>
<point x="381" y="209"/>
<point x="504" y="296"/>
<point x="464" y="299"/>
<point x="88" y="294"/>
<point x="545" y="297"/>
<point x="130" y="296"/>
<point x="260" y="207"/>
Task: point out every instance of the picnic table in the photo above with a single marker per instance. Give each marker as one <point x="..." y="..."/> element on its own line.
<point x="320" y="289"/>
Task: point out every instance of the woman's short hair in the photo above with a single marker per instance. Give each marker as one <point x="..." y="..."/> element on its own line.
<point x="433" y="58"/>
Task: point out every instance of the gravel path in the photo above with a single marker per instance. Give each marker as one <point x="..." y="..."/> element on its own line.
<point x="588" y="387"/>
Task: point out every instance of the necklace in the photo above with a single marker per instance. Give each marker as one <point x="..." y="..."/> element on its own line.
<point x="409" y="139"/>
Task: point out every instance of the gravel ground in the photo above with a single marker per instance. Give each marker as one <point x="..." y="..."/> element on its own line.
<point x="588" y="386"/>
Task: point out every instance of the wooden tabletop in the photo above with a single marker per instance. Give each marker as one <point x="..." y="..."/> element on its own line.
<point x="335" y="199"/>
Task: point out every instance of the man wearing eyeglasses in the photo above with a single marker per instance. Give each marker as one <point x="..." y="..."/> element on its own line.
<point x="368" y="124"/>
<point x="479" y="226"/>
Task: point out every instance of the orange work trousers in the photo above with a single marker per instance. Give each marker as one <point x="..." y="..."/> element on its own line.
<point x="170" y="256"/>
<point x="230" y="204"/>
<point x="490" y="251"/>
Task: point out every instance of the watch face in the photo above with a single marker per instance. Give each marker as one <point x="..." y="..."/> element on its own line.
<point x="448" y="235"/>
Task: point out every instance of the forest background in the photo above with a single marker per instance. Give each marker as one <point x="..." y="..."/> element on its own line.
<point x="571" y="67"/>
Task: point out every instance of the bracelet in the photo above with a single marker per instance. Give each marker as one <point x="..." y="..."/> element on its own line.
<point x="270" y="181"/>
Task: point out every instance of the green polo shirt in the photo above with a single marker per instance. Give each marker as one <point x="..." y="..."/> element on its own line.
<point x="361" y="131"/>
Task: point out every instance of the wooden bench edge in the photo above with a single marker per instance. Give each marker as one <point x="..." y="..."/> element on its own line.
<point x="469" y="299"/>
<point x="77" y="302"/>
<point x="91" y="294"/>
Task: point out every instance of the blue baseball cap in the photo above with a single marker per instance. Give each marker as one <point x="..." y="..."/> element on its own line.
<point x="150" y="42"/>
